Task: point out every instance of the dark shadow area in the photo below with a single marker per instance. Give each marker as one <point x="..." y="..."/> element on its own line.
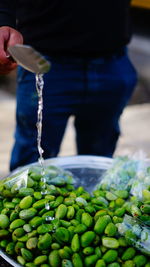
<point x="141" y="21"/>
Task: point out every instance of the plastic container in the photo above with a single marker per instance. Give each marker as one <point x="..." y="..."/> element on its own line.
<point x="87" y="171"/>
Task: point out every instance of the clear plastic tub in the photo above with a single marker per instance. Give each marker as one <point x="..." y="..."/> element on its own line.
<point x="87" y="171"/>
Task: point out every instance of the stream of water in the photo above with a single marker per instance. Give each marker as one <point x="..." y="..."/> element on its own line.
<point x="39" y="88"/>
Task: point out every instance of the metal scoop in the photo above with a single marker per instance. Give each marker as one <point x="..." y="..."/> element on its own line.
<point x="27" y="57"/>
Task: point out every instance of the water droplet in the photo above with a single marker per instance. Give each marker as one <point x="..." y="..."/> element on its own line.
<point x="49" y="218"/>
<point x="47" y="206"/>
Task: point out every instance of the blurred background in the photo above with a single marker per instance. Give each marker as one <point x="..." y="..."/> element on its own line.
<point x="135" y="120"/>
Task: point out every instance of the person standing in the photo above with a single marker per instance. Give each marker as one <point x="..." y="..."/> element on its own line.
<point x="92" y="77"/>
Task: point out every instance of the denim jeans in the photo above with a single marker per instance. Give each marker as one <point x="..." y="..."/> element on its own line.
<point x="95" y="91"/>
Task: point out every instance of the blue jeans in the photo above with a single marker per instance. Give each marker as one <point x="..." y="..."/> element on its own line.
<point x="95" y="91"/>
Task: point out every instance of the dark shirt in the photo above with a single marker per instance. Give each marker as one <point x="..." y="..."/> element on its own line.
<point x="65" y="27"/>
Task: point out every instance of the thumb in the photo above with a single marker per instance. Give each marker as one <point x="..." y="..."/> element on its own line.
<point x="8" y="37"/>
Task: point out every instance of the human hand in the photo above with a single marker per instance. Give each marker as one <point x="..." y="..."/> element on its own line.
<point x="8" y="37"/>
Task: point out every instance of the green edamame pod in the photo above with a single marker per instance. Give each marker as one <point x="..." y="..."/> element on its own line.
<point x="101" y="223"/>
<point x="110" y="196"/>
<point x="65" y="224"/>
<point x="45" y="241"/>
<point x="30" y="182"/>
<point x="110" y="256"/>
<point x="71" y="231"/>
<point x="40" y="204"/>
<point x="57" y="202"/>
<point x="21" y="260"/>
<point x="75" y="243"/>
<point x="68" y="249"/>
<point x="120" y="211"/>
<point x="98" y="252"/>
<point x="69" y="201"/>
<point x="26" y="202"/>
<point x="32" y="234"/>
<point x="27" y="228"/>
<point x="36" y="221"/>
<point x="4" y="243"/>
<point x="23" y="192"/>
<point x="27" y="214"/>
<point x="79" y="214"/>
<point x="76" y="260"/>
<point x="130" y="237"/>
<point x="145" y="208"/>
<point x="14" y="215"/>
<point x="100" y="213"/>
<point x="55" y="246"/>
<point x="87" y="238"/>
<point x="64" y="254"/>
<point x="62" y="234"/>
<point x="23" y="238"/>
<point x="88" y="250"/>
<point x="110" y="242"/>
<point x="48" y="214"/>
<point x="9" y="205"/>
<point x="80" y="228"/>
<point x="110" y="229"/>
<point x="114" y="264"/>
<point x="119" y="202"/>
<point x="18" y="247"/>
<point x="66" y="263"/>
<point x="117" y="219"/>
<point x="44" y="228"/>
<point x="32" y="243"/>
<point x="10" y="248"/>
<point x="54" y="259"/>
<point x="100" y="201"/>
<point x="90" y="260"/>
<point x="121" y="193"/>
<point x="50" y="197"/>
<point x="74" y="222"/>
<point x="16" y="224"/>
<point x="122" y="242"/>
<point x="61" y="211"/>
<point x="128" y="254"/>
<point x="98" y="193"/>
<point x="4" y="221"/>
<point x="86" y="219"/>
<point x="17" y="233"/>
<point x="129" y="263"/>
<point x="70" y="212"/>
<point x="90" y="209"/>
<point x="100" y="263"/>
<point x="140" y="260"/>
<point x="40" y="259"/>
<point x="31" y="264"/>
<point x="26" y="254"/>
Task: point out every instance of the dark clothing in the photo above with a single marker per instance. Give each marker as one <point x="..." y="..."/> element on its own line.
<point x="94" y="91"/>
<point x="74" y="28"/>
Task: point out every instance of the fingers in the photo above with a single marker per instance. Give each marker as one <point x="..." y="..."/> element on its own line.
<point x="7" y="68"/>
<point x="8" y="37"/>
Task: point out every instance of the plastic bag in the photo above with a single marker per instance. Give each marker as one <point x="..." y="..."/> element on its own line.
<point x="135" y="233"/>
<point x="130" y="174"/>
<point x="25" y="178"/>
<point x="119" y="175"/>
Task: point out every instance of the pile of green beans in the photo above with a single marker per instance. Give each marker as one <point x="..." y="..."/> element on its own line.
<point x="66" y="226"/>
